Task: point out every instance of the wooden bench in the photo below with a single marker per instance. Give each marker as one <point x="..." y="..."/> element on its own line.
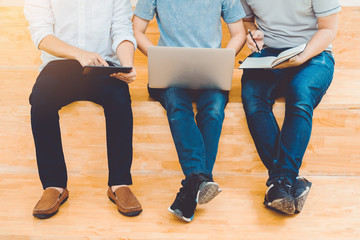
<point x="332" y="158"/>
<point x="334" y="132"/>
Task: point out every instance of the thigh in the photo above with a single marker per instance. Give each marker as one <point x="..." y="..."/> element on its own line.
<point x="59" y="83"/>
<point x="260" y="88"/>
<point x="311" y="80"/>
<point x="174" y="98"/>
<point x="213" y="99"/>
<point x="262" y="84"/>
<point x="106" y="90"/>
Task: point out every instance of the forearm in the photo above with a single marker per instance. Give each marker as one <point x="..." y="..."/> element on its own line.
<point x="125" y="52"/>
<point x="327" y="29"/>
<point x="143" y="42"/>
<point x="237" y="42"/>
<point x="58" y="48"/>
<point x="318" y="43"/>
<point x="238" y="36"/>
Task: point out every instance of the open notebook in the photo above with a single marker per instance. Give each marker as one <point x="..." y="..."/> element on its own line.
<point x="272" y="61"/>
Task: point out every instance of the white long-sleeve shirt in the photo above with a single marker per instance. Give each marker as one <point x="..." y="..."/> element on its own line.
<point x="92" y="25"/>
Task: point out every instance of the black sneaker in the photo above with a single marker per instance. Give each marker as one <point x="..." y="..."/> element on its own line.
<point x="206" y="189"/>
<point x="301" y="190"/>
<point x="197" y="188"/>
<point x="279" y="195"/>
<point x="185" y="202"/>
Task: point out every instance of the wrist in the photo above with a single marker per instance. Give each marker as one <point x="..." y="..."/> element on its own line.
<point x="77" y="53"/>
<point x="302" y="58"/>
<point x="125" y="64"/>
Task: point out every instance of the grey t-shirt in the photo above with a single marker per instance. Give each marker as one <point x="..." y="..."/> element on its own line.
<point x="289" y="23"/>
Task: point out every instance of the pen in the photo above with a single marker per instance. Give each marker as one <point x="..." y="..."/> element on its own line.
<point x="254" y="41"/>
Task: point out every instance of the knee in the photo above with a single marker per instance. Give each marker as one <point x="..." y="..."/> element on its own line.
<point x="42" y="100"/>
<point x="216" y="113"/>
<point x="177" y="102"/>
<point x="253" y="104"/>
<point x="214" y="109"/>
<point x="118" y="97"/>
<point x="300" y="101"/>
<point x="248" y="99"/>
<point x="301" y="108"/>
<point x="177" y="110"/>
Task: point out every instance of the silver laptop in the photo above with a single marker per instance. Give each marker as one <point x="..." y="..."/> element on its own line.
<point x="194" y="68"/>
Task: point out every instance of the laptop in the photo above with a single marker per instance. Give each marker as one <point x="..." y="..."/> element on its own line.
<point x="194" y="68"/>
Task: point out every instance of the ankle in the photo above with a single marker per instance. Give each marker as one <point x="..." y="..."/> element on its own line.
<point x="57" y="188"/>
<point x="113" y="188"/>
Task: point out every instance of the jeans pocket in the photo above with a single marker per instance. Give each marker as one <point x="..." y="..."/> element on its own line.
<point x="330" y="56"/>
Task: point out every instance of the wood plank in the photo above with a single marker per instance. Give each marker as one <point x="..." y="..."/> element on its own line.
<point x="331" y="161"/>
<point x="18" y="50"/>
<point x="17" y="85"/>
<point x="335" y="136"/>
<point x="331" y="211"/>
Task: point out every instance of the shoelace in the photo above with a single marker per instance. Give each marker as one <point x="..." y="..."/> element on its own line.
<point x="286" y="186"/>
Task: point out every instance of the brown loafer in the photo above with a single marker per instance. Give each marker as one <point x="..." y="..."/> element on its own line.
<point x="50" y="203"/>
<point x="125" y="201"/>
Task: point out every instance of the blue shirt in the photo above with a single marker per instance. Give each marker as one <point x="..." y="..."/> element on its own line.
<point x="190" y="23"/>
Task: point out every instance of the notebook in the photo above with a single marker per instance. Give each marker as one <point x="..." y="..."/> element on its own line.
<point x="271" y="61"/>
<point x="194" y="68"/>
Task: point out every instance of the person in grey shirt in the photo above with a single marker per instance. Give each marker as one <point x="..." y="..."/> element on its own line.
<point x="303" y="80"/>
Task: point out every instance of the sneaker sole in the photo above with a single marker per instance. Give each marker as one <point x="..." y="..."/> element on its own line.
<point x="45" y="216"/>
<point x="283" y="205"/>
<point x="207" y="191"/>
<point x="300" y="201"/>
<point x="179" y="215"/>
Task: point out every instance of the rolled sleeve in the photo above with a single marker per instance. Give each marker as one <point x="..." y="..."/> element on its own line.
<point x="41" y="19"/>
<point x="323" y="8"/>
<point x="146" y="9"/>
<point x="121" y="25"/>
<point x="248" y="11"/>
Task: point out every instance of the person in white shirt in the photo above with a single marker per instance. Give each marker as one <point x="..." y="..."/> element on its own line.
<point x="70" y="35"/>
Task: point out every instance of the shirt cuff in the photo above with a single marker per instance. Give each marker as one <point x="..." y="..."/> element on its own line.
<point x="143" y="15"/>
<point x="328" y="12"/>
<point x="39" y="37"/>
<point x="119" y="40"/>
<point x="234" y="19"/>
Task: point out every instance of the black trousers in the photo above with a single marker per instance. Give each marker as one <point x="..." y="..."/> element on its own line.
<point x="61" y="83"/>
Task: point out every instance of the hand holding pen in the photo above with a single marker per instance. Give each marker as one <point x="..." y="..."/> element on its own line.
<point x="255" y="40"/>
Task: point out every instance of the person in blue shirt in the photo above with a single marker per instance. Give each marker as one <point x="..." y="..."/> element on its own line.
<point x="192" y="23"/>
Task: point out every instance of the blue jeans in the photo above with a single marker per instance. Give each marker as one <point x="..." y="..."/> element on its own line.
<point x="196" y="142"/>
<point x="303" y="87"/>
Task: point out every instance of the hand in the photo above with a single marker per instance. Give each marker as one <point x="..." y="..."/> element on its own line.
<point x="292" y="62"/>
<point x="126" y="77"/>
<point x="90" y="58"/>
<point x="258" y="37"/>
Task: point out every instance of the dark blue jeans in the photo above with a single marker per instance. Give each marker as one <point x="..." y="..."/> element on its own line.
<point x="60" y="83"/>
<point x="303" y="87"/>
<point x="196" y="142"/>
